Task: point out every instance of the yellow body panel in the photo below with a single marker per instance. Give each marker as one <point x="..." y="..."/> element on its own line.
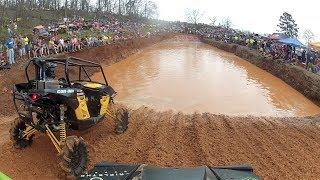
<point x="93" y="85"/>
<point x="82" y="111"/>
<point x="104" y="104"/>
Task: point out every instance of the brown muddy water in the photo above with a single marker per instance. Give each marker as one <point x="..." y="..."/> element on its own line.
<point x="186" y="75"/>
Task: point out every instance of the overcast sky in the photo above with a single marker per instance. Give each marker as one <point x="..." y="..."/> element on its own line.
<point x="253" y="15"/>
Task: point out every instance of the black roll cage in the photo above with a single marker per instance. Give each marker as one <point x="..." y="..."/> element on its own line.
<point x="68" y="62"/>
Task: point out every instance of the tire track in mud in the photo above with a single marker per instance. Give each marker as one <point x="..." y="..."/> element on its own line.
<point x="256" y="147"/>
<point x="288" y="140"/>
<point x="235" y="145"/>
<point x="242" y="152"/>
<point x="254" y="154"/>
<point x="5" y="125"/>
<point x="293" y="142"/>
<point x="274" y="150"/>
<point x="143" y="139"/>
<point x="283" y="147"/>
<point x="163" y="150"/>
<point x="152" y="145"/>
<point x="212" y="141"/>
<point x="192" y="131"/>
<point x="200" y="129"/>
<point x="112" y="148"/>
<point x="314" y="138"/>
<point x="181" y="141"/>
<point x="308" y="127"/>
<point x="185" y="142"/>
<point x="146" y="140"/>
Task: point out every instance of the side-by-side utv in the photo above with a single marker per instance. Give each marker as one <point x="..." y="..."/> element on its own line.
<point x="59" y="95"/>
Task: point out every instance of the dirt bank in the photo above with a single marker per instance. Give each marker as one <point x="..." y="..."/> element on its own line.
<point x="300" y="79"/>
<point x="105" y="55"/>
<point x="277" y="148"/>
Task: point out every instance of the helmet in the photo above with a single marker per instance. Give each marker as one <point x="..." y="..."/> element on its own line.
<point x="50" y="70"/>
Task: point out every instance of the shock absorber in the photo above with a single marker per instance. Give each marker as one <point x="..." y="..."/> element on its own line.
<point x="63" y="132"/>
<point x="62" y="126"/>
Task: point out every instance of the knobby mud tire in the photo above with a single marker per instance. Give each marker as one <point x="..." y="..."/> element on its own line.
<point x="74" y="156"/>
<point x="122" y="120"/>
<point x="17" y="127"/>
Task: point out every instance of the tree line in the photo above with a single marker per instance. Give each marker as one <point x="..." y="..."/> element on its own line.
<point x="139" y="8"/>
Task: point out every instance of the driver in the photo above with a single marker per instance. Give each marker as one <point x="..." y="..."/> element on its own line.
<point x="51" y="75"/>
<point x="50" y="70"/>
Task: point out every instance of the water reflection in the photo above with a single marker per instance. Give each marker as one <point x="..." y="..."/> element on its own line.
<point x="187" y="75"/>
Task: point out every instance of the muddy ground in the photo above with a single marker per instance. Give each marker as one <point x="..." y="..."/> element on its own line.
<point x="277" y="148"/>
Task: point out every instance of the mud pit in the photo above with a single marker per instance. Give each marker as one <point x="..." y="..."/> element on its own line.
<point x="184" y="74"/>
<point x="277" y="148"/>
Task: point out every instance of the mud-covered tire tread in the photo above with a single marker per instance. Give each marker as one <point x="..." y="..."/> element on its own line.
<point x="75" y="149"/>
<point x="17" y="125"/>
<point x="122" y="120"/>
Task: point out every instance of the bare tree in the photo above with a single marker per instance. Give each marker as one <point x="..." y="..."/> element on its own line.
<point x="193" y="15"/>
<point x="150" y="10"/>
<point x="226" y="22"/>
<point x="308" y="35"/>
<point x="99" y="5"/>
<point x="84" y="5"/>
<point x="213" y="21"/>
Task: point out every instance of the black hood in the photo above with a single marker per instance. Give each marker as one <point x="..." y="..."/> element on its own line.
<point x="108" y="171"/>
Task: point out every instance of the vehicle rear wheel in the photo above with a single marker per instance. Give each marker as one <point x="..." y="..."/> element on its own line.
<point x="74" y="156"/>
<point x="122" y="120"/>
<point x="16" y="134"/>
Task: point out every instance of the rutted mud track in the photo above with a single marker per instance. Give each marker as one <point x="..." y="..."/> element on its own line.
<point x="277" y="148"/>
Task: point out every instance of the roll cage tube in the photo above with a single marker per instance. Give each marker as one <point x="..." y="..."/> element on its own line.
<point x="69" y="62"/>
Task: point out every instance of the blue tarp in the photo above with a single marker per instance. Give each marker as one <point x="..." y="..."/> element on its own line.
<point x="292" y="41"/>
<point x="277" y="36"/>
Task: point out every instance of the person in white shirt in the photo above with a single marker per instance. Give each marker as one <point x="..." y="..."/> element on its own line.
<point x="61" y="45"/>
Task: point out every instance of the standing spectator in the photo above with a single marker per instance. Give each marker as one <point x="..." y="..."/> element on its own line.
<point x="1" y="51"/>
<point x="46" y="47"/>
<point x="10" y="45"/>
<point x="3" y="61"/>
<point x="75" y="44"/>
<point x="15" y="26"/>
<point x="68" y="46"/>
<point x="20" y="46"/>
<point x="303" y="56"/>
<point x="9" y="31"/>
<point x="52" y="47"/>
<point x="89" y="41"/>
<point x="27" y="46"/>
<point x="317" y="64"/>
<point x="61" y="45"/>
<point x="40" y="47"/>
<point x="83" y="43"/>
<point x="309" y="59"/>
<point x="34" y="48"/>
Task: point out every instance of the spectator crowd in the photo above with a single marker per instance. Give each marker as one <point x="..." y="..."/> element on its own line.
<point x="69" y="36"/>
<point x="77" y="34"/>
<point x="268" y="45"/>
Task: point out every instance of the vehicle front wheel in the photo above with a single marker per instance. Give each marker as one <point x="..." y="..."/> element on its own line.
<point x="74" y="156"/>
<point x="122" y="120"/>
<point x="17" y="130"/>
